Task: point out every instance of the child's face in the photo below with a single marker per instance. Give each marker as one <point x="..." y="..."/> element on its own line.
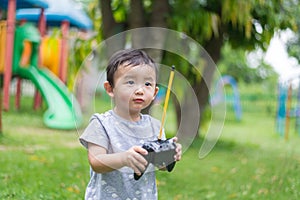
<point x="134" y="89"/>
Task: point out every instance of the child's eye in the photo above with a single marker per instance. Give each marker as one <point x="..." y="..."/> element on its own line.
<point x="148" y="84"/>
<point x="130" y="82"/>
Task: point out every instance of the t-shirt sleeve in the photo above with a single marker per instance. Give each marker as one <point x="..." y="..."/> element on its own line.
<point x="94" y="133"/>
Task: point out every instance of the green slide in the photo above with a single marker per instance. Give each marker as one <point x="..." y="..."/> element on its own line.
<point x="63" y="109"/>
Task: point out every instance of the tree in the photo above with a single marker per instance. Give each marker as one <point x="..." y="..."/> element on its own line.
<point x="293" y="45"/>
<point x="244" y="24"/>
<point x="234" y="62"/>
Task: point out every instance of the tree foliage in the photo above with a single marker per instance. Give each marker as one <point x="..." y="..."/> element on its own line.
<point x="245" y="25"/>
<point x="235" y="62"/>
<point x="82" y="44"/>
<point x="248" y="24"/>
<point x="293" y="45"/>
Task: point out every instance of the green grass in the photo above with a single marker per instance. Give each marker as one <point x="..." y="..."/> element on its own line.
<point x="249" y="161"/>
<point x="37" y="162"/>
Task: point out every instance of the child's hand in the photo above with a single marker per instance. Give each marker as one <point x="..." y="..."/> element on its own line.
<point x="177" y="157"/>
<point x="135" y="160"/>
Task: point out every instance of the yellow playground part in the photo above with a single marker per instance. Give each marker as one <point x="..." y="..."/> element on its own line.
<point x="50" y="54"/>
<point x="2" y="44"/>
<point x="50" y="51"/>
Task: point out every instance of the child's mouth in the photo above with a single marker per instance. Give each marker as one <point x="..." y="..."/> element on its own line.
<point x="138" y="100"/>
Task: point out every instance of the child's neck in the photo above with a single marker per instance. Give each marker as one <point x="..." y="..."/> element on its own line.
<point x="136" y="116"/>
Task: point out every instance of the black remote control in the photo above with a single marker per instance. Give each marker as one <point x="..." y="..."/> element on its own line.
<point x="160" y="153"/>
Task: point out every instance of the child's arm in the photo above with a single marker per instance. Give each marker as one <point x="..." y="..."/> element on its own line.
<point x="102" y="162"/>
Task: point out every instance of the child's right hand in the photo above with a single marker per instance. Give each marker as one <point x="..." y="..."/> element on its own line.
<point x="135" y="160"/>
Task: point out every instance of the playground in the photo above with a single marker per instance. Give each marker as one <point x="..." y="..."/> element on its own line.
<point x="41" y="58"/>
<point x="256" y="155"/>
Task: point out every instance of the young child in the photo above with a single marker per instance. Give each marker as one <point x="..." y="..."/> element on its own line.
<point x="114" y="138"/>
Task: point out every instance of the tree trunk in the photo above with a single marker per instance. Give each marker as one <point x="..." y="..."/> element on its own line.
<point x="213" y="48"/>
<point x="189" y="115"/>
<point x="108" y="22"/>
<point x="137" y="19"/>
<point x="201" y="89"/>
<point x="160" y="11"/>
<point x="110" y="27"/>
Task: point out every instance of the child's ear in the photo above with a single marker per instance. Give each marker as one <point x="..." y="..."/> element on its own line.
<point x="155" y="92"/>
<point x="108" y="88"/>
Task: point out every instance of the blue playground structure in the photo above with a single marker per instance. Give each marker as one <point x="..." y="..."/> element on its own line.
<point x="25" y="4"/>
<point x="219" y="97"/>
<point x="288" y="107"/>
<point x="56" y="13"/>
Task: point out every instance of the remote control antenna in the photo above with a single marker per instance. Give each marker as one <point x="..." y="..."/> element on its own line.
<point x="166" y="102"/>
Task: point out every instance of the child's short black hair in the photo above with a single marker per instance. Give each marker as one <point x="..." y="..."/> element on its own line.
<point x="132" y="57"/>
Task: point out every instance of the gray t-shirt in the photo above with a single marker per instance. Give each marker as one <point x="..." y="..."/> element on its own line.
<point x="116" y="134"/>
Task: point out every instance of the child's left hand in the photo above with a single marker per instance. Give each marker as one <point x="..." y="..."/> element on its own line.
<point x="177" y="157"/>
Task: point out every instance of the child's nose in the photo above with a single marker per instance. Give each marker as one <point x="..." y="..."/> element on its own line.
<point x="139" y="91"/>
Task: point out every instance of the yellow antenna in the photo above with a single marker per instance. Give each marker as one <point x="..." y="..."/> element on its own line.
<point x="166" y="102"/>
